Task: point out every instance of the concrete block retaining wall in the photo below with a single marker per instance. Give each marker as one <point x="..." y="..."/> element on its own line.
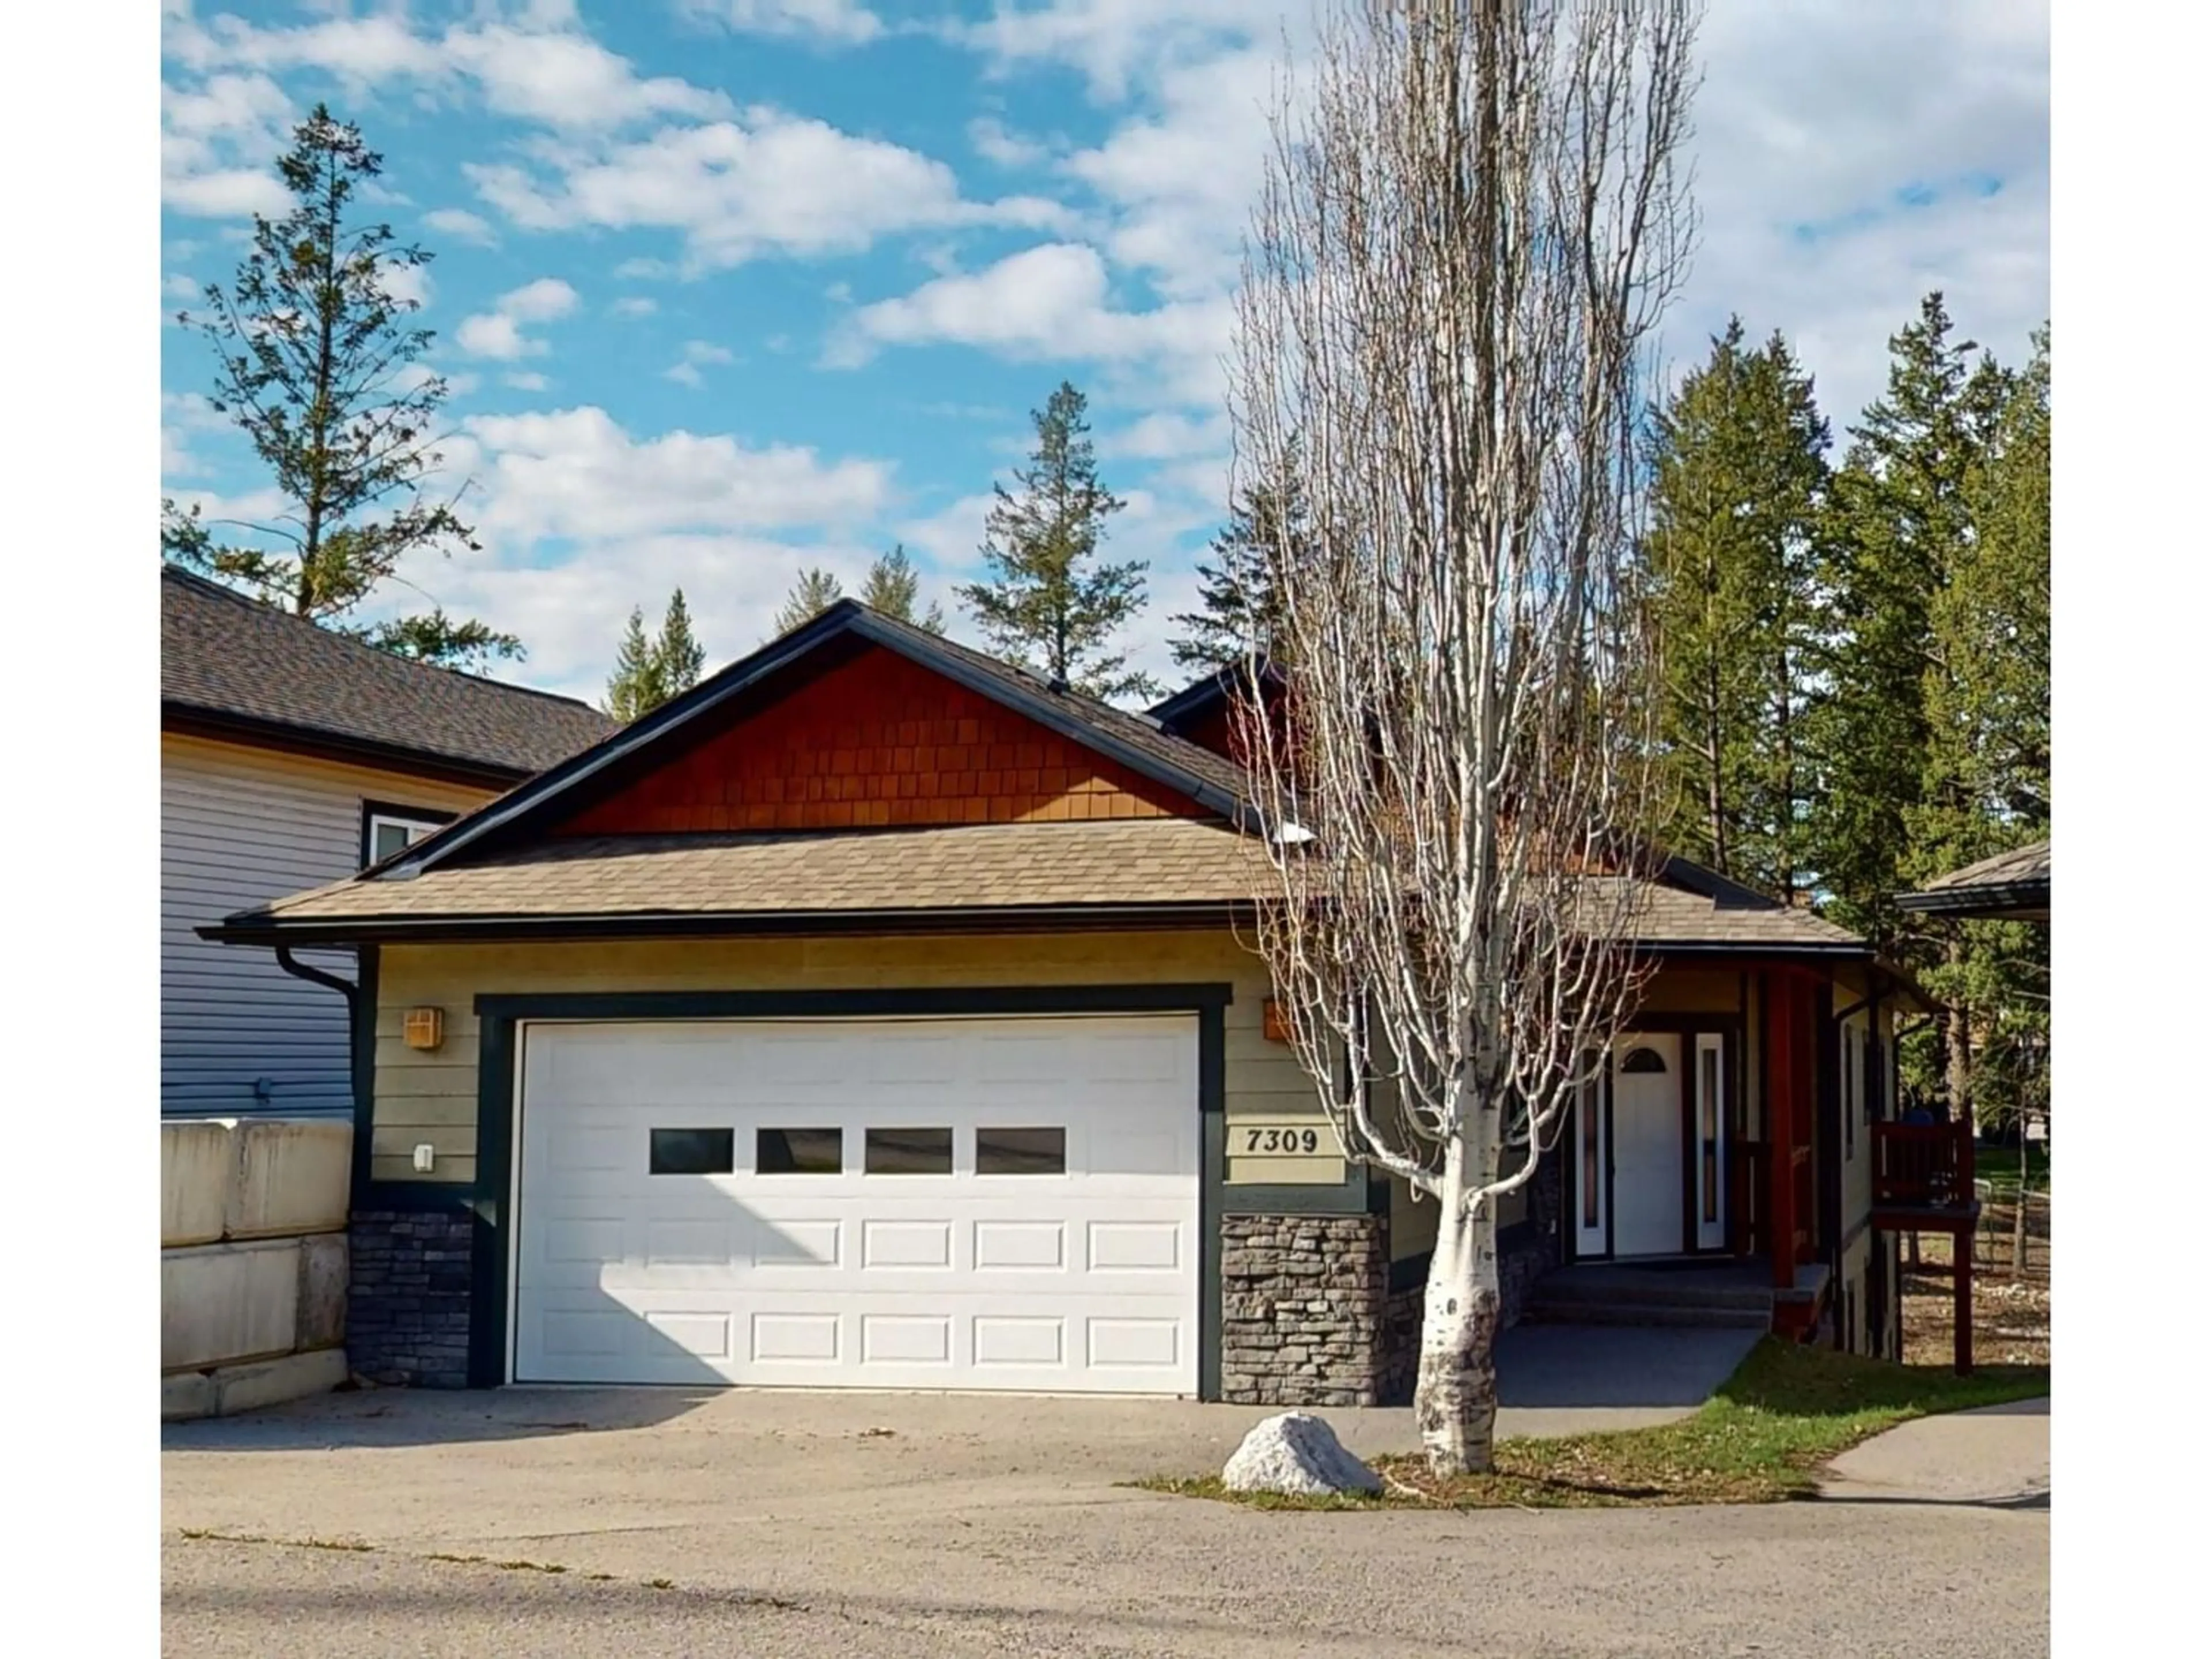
<point x="254" y="1262"/>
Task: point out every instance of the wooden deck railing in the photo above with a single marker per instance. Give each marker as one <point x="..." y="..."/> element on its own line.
<point x="1923" y="1165"/>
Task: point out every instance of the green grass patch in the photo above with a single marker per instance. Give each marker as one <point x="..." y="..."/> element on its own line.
<point x="1762" y="1438"/>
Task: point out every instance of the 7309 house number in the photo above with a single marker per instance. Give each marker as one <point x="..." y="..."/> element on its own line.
<point x="1275" y="1140"/>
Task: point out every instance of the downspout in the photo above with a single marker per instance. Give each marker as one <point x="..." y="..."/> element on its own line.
<point x="299" y="970"/>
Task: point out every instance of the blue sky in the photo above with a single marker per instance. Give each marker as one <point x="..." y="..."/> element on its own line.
<point x="726" y="287"/>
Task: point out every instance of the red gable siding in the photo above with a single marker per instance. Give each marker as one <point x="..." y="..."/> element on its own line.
<point x="879" y="740"/>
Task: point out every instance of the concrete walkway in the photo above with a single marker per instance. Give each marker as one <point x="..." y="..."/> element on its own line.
<point x="1997" y="1457"/>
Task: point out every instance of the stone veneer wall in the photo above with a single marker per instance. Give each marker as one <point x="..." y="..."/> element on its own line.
<point x="1401" y="1341"/>
<point x="1302" y="1309"/>
<point x="1530" y="1249"/>
<point x="407" y="1320"/>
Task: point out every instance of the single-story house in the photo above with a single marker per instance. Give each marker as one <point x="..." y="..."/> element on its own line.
<point x="2012" y="886"/>
<point x="878" y="1014"/>
<point x="290" y="757"/>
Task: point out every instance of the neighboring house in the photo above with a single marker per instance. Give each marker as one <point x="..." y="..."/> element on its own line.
<point x="292" y="755"/>
<point x="876" y="1014"/>
<point x="2013" y="886"/>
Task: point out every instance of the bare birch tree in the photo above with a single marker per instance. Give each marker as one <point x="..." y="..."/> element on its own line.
<point x="1476" y="213"/>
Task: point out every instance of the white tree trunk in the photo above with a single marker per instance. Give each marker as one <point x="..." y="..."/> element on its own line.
<point x="1455" y="1391"/>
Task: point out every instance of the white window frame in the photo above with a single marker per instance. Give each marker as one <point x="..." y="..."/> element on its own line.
<point x="417" y="828"/>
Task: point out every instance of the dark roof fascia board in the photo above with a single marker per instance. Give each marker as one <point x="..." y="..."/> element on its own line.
<point x="847" y="617"/>
<point x="188" y="719"/>
<point x="1000" y="919"/>
<point x="1982" y="898"/>
<point x="1751" y="954"/>
<point x="1204" y="694"/>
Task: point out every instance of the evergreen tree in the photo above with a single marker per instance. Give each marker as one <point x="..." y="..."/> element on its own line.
<point x="1049" y="604"/>
<point x="1239" y="594"/>
<point x="313" y="353"/>
<point x="814" y="592"/>
<point x="1900" y="520"/>
<point x="635" y="687"/>
<point x="677" y="652"/>
<point x="1738" y="472"/>
<point x="894" y="587"/>
<point x="650" y="672"/>
<point x="1986" y="783"/>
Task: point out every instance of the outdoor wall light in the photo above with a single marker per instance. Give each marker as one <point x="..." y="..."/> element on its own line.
<point x="1273" y="1024"/>
<point x="425" y="1027"/>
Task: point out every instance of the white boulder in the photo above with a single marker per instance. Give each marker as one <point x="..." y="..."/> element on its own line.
<point x="1299" y="1454"/>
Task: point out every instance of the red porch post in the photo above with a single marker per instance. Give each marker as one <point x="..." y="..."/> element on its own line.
<point x="1778" y="997"/>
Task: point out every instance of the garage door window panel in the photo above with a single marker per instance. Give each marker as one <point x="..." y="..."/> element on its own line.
<point x="798" y="1151"/>
<point x="692" y="1151"/>
<point x="1021" y="1152"/>
<point x="908" y="1151"/>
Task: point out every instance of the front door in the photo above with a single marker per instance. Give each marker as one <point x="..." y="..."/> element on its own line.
<point x="1647" y="1145"/>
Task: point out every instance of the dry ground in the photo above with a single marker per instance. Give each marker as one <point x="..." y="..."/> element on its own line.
<point x="2012" y="1312"/>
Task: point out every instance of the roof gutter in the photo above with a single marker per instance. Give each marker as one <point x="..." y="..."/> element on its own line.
<point x="1983" y="899"/>
<point x="1003" y="919"/>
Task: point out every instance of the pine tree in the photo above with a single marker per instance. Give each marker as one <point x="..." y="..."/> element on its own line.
<point x="1239" y="596"/>
<point x="894" y="587"/>
<point x="635" y="687"/>
<point x="313" y="353"/>
<point x="650" y="672"/>
<point x="1899" y="523"/>
<point x="676" y="652"/>
<point x="1049" y="604"/>
<point x="814" y="592"/>
<point x="1985" y="781"/>
<point x="1738" y="472"/>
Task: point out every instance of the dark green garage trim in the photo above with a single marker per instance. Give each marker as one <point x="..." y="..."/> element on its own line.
<point x="497" y="1013"/>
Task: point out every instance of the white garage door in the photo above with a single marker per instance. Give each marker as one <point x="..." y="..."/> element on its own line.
<point x="933" y="1204"/>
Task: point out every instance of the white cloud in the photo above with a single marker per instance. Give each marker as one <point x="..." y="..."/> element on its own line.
<point x="217" y="141"/>
<point x="1048" y="303"/>
<point x="497" y="333"/>
<point x="635" y="305"/>
<point x="772" y="182"/>
<point x="539" y="66"/>
<point x="1167" y="436"/>
<point x="576" y="474"/>
<point x="179" y="286"/>
<point x="731" y="522"/>
<point x="409" y="283"/>
<point x="460" y="223"/>
<point x="527" y="381"/>
<point x="994" y="141"/>
<point x="952" y="535"/>
<point x="1113" y="42"/>
<point x="697" y="354"/>
<point x="843" y="22"/>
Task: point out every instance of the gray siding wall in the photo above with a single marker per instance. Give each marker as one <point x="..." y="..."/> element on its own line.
<point x="241" y="826"/>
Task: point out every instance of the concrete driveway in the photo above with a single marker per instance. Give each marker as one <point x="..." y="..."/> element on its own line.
<point x="647" y="1522"/>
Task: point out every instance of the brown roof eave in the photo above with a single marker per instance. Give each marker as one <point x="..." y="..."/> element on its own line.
<point x="249" y="929"/>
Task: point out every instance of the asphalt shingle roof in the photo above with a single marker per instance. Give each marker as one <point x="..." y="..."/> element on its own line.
<point x="2020" y="865"/>
<point x="224" y="655"/>
<point x="1115" y="864"/>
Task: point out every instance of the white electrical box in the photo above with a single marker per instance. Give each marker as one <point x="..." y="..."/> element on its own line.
<point x="426" y="1158"/>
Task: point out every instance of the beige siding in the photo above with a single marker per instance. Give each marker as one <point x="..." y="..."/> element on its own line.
<point x="241" y="826"/>
<point x="432" y="1097"/>
<point x="1413" y="1223"/>
<point x="1693" y="991"/>
<point x="1850" y="1309"/>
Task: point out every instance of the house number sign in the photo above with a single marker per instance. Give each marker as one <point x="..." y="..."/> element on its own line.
<point x="1278" y="1140"/>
